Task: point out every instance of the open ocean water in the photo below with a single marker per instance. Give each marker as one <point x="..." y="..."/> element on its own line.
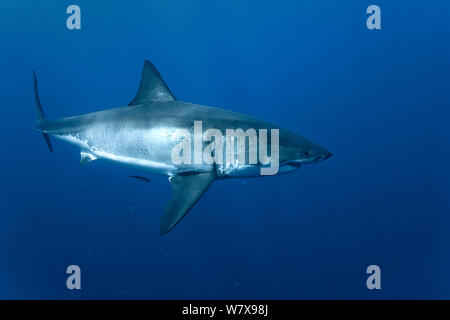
<point x="378" y="99"/>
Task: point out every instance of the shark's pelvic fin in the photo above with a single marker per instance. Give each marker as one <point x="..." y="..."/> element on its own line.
<point x="152" y="87"/>
<point x="86" y="157"/>
<point x="186" y="191"/>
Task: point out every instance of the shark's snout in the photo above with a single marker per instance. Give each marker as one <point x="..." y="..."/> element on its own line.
<point x="324" y="155"/>
<point x="314" y="154"/>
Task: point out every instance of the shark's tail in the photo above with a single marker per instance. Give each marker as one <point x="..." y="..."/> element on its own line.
<point x="40" y="112"/>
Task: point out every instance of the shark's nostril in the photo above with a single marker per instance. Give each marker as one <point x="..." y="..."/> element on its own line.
<point x="326" y="156"/>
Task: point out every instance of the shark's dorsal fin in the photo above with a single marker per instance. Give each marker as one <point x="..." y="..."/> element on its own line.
<point x="86" y="157"/>
<point x="152" y="87"/>
<point x="186" y="191"/>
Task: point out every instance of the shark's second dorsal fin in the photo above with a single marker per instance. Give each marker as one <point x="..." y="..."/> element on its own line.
<point x="152" y="87"/>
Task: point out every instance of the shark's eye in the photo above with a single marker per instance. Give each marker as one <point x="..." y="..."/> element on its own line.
<point x="307" y="153"/>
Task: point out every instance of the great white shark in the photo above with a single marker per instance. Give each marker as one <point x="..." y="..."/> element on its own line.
<point x="142" y="135"/>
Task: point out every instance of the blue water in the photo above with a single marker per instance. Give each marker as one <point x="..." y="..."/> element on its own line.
<point x="378" y="99"/>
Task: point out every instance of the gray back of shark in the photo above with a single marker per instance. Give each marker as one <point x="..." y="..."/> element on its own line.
<point x="143" y="134"/>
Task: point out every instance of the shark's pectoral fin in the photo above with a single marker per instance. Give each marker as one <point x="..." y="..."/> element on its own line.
<point x="186" y="191"/>
<point x="86" y="157"/>
<point x="152" y="87"/>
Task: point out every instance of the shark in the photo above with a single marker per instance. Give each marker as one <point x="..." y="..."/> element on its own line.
<point x="143" y="134"/>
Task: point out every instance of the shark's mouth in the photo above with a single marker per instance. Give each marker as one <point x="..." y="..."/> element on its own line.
<point x="294" y="163"/>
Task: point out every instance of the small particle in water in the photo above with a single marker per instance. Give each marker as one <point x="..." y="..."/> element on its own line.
<point x="244" y="182"/>
<point x="236" y="284"/>
<point x="130" y="209"/>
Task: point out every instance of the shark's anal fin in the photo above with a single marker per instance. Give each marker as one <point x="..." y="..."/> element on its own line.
<point x="140" y="178"/>
<point x="186" y="191"/>
<point x="152" y="87"/>
<point x="86" y="157"/>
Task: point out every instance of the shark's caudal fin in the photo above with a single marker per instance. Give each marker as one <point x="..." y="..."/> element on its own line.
<point x="40" y="112"/>
<point x="186" y="191"/>
<point x="152" y="87"/>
